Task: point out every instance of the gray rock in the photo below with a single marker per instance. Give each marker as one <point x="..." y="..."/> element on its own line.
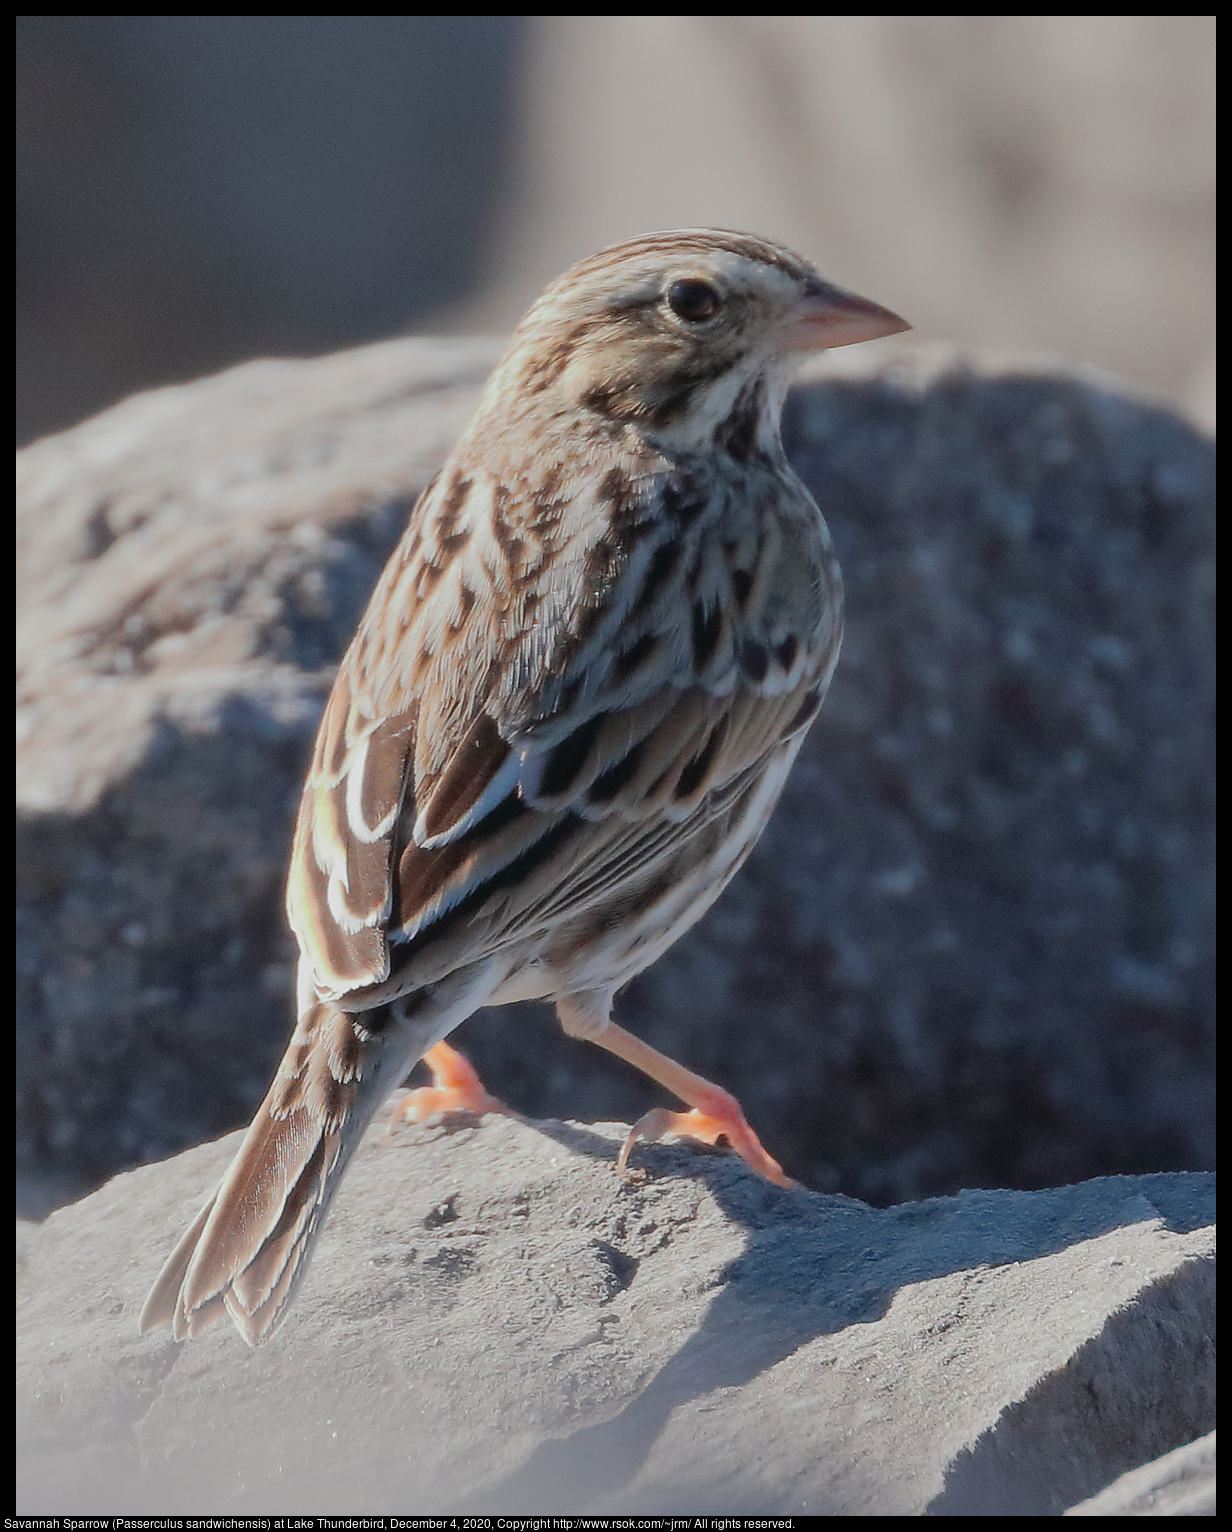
<point x="495" y="1323"/>
<point x="1181" y="1483"/>
<point x="974" y="947"/>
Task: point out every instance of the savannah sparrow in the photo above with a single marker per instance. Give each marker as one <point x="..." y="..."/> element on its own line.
<point x="569" y="710"/>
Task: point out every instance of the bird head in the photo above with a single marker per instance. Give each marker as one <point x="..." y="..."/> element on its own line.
<point x="667" y="331"/>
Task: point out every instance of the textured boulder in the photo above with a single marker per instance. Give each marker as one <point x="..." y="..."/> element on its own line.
<point x="974" y="947"/>
<point x="1181" y="1483"/>
<point x="496" y="1323"/>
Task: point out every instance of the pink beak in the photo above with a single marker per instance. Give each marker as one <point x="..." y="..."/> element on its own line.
<point x="831" y="316"/>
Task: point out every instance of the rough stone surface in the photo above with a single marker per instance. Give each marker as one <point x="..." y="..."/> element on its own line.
<point x="496" y="1323"/>
<point x="1181" y="1483"/>
<point x="976" y="944"/>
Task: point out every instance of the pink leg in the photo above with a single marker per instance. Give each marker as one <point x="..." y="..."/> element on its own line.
<point x="456" y="1087"/>
<point x="716" y="1113"/>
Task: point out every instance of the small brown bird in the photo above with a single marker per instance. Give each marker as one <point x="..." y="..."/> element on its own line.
<point x="569" y="710"/>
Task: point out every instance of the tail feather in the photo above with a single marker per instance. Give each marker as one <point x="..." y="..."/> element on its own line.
<point x="248" y="1249"/>
<point x="258" y="1295"/>
<point x="162" y="1304"/>
<point x="268" y="1191"/>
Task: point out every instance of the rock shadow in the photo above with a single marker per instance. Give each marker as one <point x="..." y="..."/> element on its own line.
<point x="805" y="1274"/>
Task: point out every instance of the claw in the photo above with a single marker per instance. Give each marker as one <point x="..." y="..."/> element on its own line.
<point x="723" y="1120"/>
<point x="456" y="1087"/>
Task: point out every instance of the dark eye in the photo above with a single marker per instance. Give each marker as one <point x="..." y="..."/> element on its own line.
<point x="693" y="300"/>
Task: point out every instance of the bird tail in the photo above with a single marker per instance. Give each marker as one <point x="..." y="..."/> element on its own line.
<point x="248" y="1249"/>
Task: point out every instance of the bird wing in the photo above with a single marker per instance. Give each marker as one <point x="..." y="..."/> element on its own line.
<point x="526" y="722"/>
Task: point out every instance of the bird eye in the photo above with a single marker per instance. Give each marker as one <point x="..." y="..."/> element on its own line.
<point x="693" y="300"/>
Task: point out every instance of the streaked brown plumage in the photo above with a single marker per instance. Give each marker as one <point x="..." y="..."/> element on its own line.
<point x="565" y="719"/>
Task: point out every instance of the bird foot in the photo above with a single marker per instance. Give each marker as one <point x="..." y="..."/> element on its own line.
<point x="456" y="1087"/>
<point x="723" y="1118"/>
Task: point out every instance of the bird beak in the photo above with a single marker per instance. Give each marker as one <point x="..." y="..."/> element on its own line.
<point x="831" y="316"/>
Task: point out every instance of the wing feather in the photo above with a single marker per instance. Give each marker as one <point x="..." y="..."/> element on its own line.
<point x="340" y="960"/>
<point x="447" y="814"/>
<point x="479" y="774"/>
<point x="432" y="882"/>
<point x="377" y="773"/>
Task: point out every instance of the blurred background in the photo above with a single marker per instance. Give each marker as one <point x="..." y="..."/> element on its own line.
<point x="198" y="190"/>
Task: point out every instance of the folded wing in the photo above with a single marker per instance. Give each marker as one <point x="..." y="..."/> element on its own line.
<point x="454" y="803"/>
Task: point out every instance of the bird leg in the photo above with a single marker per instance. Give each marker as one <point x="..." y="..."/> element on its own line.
<point x="456" y="1087"/>
<point x="715" y="1112"/>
